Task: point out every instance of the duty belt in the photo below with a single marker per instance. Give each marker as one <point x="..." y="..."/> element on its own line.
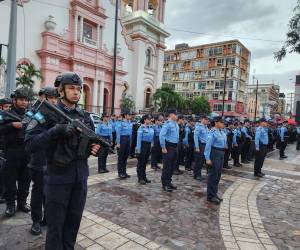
<point x="219" y="149"/>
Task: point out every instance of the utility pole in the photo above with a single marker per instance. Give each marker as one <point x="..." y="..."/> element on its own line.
<point x="224" y="88"/>
<point x="115" y="59"/>
<point x="12" y="47"/>
<point x="256" y="100"/>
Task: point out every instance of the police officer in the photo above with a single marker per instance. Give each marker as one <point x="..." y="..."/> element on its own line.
<point x="214" y="155"/>
<point x="37" y="166"/>
<point x="15" y="172"/>
<point x="104" y="129"/>
<point x="145" y="135"/>
<point x="261" y="146"/>
<point x="236" y="144"/>
<point x="200" y="140"/>
<point x="135" y="127"/>
<point x="245" y="130"/>
<point x="228" y="150"/>
<point x="188" y="142"/>
<point x="156" y="149"/>
<point x="180" y="149"/>
<point x="5" y="104"/>
<point x="298" y="135"/>
<point x="123" y="140"/>
<point x="169" y="138"/>
<point x="113" y="121"/>
<point x="283" y="135"/>
<point x="66" y="182"/>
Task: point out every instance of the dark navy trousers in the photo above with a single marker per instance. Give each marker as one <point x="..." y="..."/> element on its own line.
<point x="169" y="161"/>
<point x="102" y="158"/>
<point x="123" y="154"/>
<point x="260" y="158"/>
<point x="64" y="208"/>
<point x="155" y="153"/>
<point x="143" y="159"/>
<point x="214" y="172"/>
<point x="199" y="161"/>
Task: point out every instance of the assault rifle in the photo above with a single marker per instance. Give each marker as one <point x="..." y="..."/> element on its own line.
<point x="7" y="116"/>
<point x="88" y="136"/>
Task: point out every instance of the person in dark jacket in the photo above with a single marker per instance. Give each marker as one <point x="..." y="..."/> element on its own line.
<point x="15" y="172"/>
<point x="67" y="167"/>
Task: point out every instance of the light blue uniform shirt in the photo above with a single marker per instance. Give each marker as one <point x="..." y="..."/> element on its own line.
<point x="104" y="129"/>
<point x="123" y="127"/>
<point x="216" y="138"/>
<point x="144" y="133"/>
<point x="282" y="131"/>
<point x="200" y="134"/>
<point x="236" y="133"/>
<point x="113" y="125"/>
<point x="157" y="129"/>
<point x="261" y="136"/>
<point x="187" y="131"/>
<point x="245" y="131"/>
<point x="169" y="132"/>
<point x="298" y="130"/>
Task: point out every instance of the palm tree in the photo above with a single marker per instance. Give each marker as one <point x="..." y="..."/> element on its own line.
<point x="26" y="80"/>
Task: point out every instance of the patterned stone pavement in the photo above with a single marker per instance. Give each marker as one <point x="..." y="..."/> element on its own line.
<point x="255" y="214"/>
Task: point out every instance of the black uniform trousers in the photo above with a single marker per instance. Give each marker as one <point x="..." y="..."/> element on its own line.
<point x="2" y="163"/>
<point x="214" y="172"/>
<point x="16" y="175"/>
<point x="180" y="155"/>
<point x="199" y="161"/>
<point x="37" y="195"/>
<point x="298" y="142"/>
<point x="282" y="147"/>
<point x="102" y="157"/>
<point x="64" y="208"/>
<point x="236" y="151"/>
<point x="114" y="139"/>
<point x="155" y="152"/>
<point x="143" y="159"/>
<point x="123" y="154"/>
<point x="228" y="151"/>
<point x="245" y="150"/>
<point x="189" y="157"/>
<point x="169" y="161"/>
<point x="260" y="158"/>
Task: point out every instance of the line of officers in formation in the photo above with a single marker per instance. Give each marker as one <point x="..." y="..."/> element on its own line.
<point x="37" y="152"/>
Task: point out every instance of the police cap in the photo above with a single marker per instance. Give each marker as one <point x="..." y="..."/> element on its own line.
<point x="70" y="78"/>
<point x="4" y="101"/>
<point x="172" y="111"/>
<point x="145" y="117"/>
<point x="262" y="120"/>
<point x="104" y="115"/>
<point x="218" y="119"/>
<point x="180" y="117"/>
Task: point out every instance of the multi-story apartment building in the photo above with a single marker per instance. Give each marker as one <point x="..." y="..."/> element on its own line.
<point x="200" y="71"/>
<point x="268" y="102"/>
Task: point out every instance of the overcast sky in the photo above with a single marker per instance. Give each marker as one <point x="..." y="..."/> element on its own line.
<point x="231" y="19"/>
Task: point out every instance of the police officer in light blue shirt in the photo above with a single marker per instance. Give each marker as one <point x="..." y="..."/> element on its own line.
<point x="261" y="146"/>
<point x="156" y="154"/>
<point x="200" y="140"/>
<point x="214" y="154"/>
<point x="145" y="135"/>
<point x="298" y="135"/>
<point x="283" y="134"/>
<point x="123" y="141"/>
<point x="169" y="137"/>
<point x="104" y="129"/>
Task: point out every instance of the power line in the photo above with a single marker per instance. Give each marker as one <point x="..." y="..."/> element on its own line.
<point x="181" y="30"/>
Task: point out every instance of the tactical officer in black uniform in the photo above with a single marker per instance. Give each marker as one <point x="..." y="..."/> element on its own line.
<point x="5" y="104"/>
<point x="67" y="173"/>
<point x="135" y="127"/>
<point x="189" y="143"/>
<point x="37" y="167"/>
<point x="15" y="172"/>
<point x="228" y="150"/>
<point x="180" y="146"/>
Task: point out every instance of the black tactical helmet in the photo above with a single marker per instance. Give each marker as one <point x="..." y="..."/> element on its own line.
<point x="20" y="93"/>
<point x="4" y="101"/>
<point x="49" y="91"/>
<point x="57" y="81"/>
<point x="41" y="92"/>
<point x="69" y="78"/>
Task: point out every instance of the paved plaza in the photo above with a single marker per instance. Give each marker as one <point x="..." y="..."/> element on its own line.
<point x="255" y="214"/>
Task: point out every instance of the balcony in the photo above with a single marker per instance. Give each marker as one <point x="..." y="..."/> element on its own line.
<point x="89" y="42"/>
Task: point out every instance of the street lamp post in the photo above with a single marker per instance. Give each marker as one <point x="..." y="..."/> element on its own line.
<point x="224" y="87"/>
<point x="256" y="100"/>
<point x="115" y="59"/>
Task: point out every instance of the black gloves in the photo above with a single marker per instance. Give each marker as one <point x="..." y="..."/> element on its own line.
<point x="67" y="130"/>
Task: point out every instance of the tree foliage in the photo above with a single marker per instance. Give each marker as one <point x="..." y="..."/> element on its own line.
<point x="2" y="61"/>
<point x="28" y="74"/>
<point x="292" y="43"/>
<point x="127" y="102"/>
<point x="166" y="97"/>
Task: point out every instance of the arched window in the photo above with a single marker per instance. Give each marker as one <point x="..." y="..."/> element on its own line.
<point x="148" y="94"/>
<point x="148" y="57"/>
